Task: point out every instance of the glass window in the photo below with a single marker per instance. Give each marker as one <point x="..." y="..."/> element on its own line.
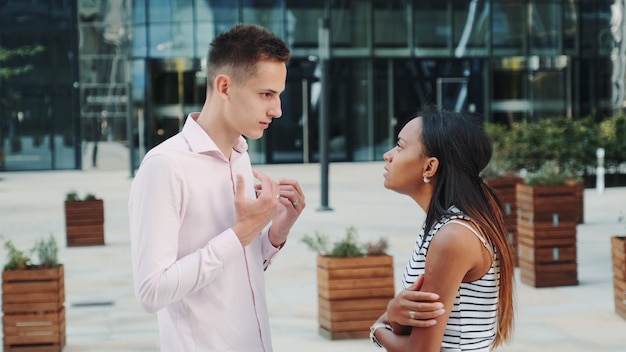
<point x="171" y="28"/>
<point x="356" y="136"/>
<point x="509" y="28"/>
<point x="432" y="24"/>
<point x="384" y="111"/>
<point x="302" y="19"/>
<point x="204" y="28"/>
<point x="471" y="27"/>
<point x="225" y="14"/>
<point x="548" y="93"/>
<point x="160" y="11"/>
<point x="266" y="13"/>
<point x="596" y="33"/>
<point x="37" y="14"/>
<point x="36" y="116"/>
<point x="161" y="38"/>
<point x="595" y="86"/>
<point x="349" y="24"/>
<point x="510" y="100"/>
<point x="140" y="44"/>
<point x="545" y="28"/>
<point x="139" y="12"/>
<point x="391" y="23"/>
<point x="570" y="27"/>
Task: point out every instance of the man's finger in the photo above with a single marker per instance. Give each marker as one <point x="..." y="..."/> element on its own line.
<point x="240" y="185"/>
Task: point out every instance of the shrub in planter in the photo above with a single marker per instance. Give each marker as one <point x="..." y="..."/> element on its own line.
<point x="33" y="297"/>
<point x="355" y="283"/>
<point x="611" y="138"/>
<point x="501" y="176"/>
<point x="84" y="220"/>
<point x="548" y="214"/>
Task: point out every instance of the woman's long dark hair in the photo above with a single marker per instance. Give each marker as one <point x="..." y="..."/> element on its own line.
<point x="464" y="149"/>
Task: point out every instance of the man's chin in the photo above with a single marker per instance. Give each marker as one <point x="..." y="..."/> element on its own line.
<point x="255" y="135"/>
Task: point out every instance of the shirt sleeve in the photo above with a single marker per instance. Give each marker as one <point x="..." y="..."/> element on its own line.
<point x="156" y="211"/>
<point x="269" y="251"/>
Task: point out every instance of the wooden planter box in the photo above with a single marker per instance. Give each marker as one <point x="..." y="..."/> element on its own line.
<point x="352" y="294"/>
<point x="618" y="248"/>
<point x="505" y="188"/>
<point x="84" y="222"/>
<point x="34" y="315"/>
<point x="546" y="229"/>
<point x="580" y="199"/>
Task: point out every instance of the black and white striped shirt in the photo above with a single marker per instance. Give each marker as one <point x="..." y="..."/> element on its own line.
<point x="472" y="323"/>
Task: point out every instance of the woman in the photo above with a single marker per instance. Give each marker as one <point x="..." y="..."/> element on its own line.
<point x="462" y="250"/>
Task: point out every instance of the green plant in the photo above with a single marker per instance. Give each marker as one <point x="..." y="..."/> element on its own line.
<point x="46" y="251"/>
<point x="17" y="55"/>
<point x="72" y="196"/>
<point x="90" y="196"/>
<point x="611" y="137"/>
<point x="377" y="248"/>
<point x="347" y="247"/>
<point x="551" y="174"/>
<point x="17" y="259"/>
<point x="500" y="164"/>
<point x="555" y="149"/>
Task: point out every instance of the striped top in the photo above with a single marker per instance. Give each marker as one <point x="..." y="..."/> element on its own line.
<point x="472" y="323"/>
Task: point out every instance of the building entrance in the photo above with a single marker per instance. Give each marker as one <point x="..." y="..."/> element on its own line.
<point x="177" y="87"/>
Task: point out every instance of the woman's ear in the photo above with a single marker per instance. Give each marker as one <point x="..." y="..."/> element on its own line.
<point x="432" y="165"/>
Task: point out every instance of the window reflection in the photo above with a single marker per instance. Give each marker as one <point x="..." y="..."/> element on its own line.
<point x="471" y="27"/>
<point x="304" y="17"/>
<point x="391" y="23"/>
<point x="509" y="28"/>
<point x="432" y="29"/>
<point x="349" y="24"/>
<point x="545" y="28"/>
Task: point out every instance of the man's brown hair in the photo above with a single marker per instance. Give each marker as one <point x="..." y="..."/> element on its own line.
<point x="238" y="50"/>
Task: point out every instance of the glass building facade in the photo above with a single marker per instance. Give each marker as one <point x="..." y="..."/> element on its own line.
<point x="111" y="79"/>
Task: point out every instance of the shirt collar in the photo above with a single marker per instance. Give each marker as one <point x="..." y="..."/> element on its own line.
<point x="200" y="142"/>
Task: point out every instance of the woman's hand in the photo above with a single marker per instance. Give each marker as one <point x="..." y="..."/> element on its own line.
<point x="414" y="308"/>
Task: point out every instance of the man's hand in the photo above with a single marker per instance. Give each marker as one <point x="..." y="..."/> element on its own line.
<point x="252" y="215"/>
<point x="414" y="308"/>
<point x="292" y="204"/>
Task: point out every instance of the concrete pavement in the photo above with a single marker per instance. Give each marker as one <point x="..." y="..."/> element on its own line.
<point x="102" y="314"/>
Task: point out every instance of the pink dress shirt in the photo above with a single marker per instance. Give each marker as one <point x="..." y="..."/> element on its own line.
<point x="188" y="265"/>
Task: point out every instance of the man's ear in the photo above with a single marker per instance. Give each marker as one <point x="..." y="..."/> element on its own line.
<point x="432" y="165"/>
<point x="222" y="84"/>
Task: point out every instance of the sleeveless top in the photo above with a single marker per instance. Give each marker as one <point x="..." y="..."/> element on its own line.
<point x="472" y="325"/>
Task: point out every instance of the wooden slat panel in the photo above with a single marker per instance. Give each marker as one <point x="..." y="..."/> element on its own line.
<point x="353" y="304"/>
<point x="360" y="262"/>
<point x="33" y="329"/>
<point x="357" y="293"/>
<point x="548" y="275"/>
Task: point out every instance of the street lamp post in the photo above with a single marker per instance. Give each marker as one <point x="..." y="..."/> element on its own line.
<point x="600" y="171"/>
<point x="324" y="55"/>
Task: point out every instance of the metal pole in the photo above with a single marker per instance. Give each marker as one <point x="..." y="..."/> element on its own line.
<point x="305" y="121"/>
<point x="324" y="54"/>
<point x="600" y="171"/>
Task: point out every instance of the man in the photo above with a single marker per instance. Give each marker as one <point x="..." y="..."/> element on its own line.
<point x="200" y="236"/>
